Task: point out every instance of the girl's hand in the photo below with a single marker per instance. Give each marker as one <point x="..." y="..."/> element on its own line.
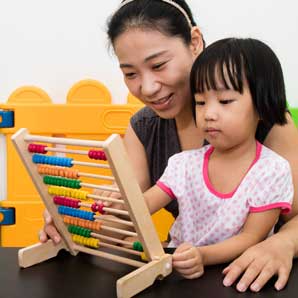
<point x="109" y="194"/>
<point x="49" y="230"/>
<point x="259" y="263"/>
<point x="188" y="261"/>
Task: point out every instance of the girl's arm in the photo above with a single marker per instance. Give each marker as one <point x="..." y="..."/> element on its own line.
<point x="189" y="261"/>
<point x="156" y="199"/>
<point x="256" y="228"/>
<point x="274" y="255"/>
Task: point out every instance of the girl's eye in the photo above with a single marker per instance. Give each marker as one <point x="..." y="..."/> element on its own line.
<point x="226" y="101"/>
<point x="200" y="103"/>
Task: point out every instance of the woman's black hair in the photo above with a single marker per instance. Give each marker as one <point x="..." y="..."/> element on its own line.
<point x="151" y="14"/>
<point x="231" y="62"/>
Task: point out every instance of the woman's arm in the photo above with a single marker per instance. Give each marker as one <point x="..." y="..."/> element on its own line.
<point x="274" y="255"/>
<point x="137" y="157"/>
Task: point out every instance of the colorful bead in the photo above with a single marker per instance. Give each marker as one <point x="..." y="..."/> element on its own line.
<point x="57" y="171"/>
<point x="98" y="207"/>
<point x="91" y="242"/>
<point x="76" y="212"/>
<point x="93" y="225"/>
<point x="52" y="160"/>
<point x="58" y="200"/>
<point x="79" y="231"/>
<point x="137" y="245"/>
<point x="37" y="148"/>
<point x="97" y="154"/>
<point x="144" y="257"/>
<point x="68" y="192"/>
<point x="61" y="181"/>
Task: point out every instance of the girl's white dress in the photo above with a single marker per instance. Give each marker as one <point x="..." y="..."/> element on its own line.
<point x="207" y="216"/>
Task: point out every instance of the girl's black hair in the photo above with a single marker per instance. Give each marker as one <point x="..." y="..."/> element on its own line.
<point x="233" y="61"/>
<point x="151" y="14"/>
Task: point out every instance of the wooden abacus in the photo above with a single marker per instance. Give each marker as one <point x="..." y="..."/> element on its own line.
<point x="80" y="228"/>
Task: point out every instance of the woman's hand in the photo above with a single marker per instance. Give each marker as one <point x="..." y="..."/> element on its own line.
<point x="259" y="263"/>
<point x="49" y="230"/>
<point x="188" y="261"/>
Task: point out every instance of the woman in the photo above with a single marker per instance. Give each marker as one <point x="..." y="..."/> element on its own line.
<point x="156" y="42"/>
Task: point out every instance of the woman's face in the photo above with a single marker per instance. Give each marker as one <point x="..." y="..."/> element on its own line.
<point x="156" y="69"/>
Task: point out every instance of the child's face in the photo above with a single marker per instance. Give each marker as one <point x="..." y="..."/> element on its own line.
<point x="227" y="117"/>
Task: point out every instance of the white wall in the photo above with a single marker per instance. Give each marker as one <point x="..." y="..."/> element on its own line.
<point x="53" y="44"/>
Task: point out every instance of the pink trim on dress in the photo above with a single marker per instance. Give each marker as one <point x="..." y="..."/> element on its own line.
<point x="206" y="177"/>
<point x="286" y="207"/>
<point x="166" y="189"/>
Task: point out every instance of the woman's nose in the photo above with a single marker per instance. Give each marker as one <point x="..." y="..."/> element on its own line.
<point x="149" y="85"/>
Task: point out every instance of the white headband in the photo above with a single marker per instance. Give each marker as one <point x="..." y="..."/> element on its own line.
<point x="171" y="2"/>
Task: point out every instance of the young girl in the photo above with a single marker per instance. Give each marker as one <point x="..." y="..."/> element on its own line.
<point x="230" y="193"/>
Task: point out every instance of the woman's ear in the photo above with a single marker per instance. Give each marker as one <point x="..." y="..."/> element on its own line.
<point x="196" y="43"/>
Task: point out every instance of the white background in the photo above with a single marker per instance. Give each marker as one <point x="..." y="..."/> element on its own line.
<point x="53" y="44"/>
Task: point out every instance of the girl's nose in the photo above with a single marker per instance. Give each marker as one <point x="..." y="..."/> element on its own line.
<point x="149" y="85"/>
<point x="211" y="113"/>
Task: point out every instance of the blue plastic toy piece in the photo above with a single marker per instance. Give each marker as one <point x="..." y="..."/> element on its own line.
<point x="6" y="118"/>
<point x="7" y="216"/>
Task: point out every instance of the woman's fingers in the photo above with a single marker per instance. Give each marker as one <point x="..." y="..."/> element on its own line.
<point x="49" y="230"/>
<point x="283" y="276"/>
<point x="260" y="263"/>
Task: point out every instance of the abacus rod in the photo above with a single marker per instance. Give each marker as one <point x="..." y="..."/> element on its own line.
<point x="83" y="174"/>
<point x="65" y="150"/>
<point x="108" y="188"/>
<point x="90" y="164"/>
<point x="116" y="230"/>
<point x="121" y="221"/>
<point x="112" y="239"/>
<point x="110" y="210"/>
<point x="120" y="248"/>
<point x="64" y="141"/>
<point x="108" y="199"/>
<point x="109" y="256"/>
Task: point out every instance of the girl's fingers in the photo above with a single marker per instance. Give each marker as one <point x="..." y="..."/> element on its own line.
<point x="186" y="263"/>
<point x="194" y="275"/>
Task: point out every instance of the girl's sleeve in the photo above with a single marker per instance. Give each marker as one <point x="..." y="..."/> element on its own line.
<point x="170" y="181"/>
<point x="274" y="188"/>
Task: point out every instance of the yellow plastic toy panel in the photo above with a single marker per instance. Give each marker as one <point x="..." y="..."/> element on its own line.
<point x="89" y="114"/>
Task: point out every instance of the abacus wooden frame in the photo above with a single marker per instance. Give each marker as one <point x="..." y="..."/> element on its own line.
<point x="159" y="264"/>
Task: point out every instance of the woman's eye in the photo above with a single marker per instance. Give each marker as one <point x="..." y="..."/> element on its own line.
<point x="159" y="65"/>
<point x="130" y="75"/>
